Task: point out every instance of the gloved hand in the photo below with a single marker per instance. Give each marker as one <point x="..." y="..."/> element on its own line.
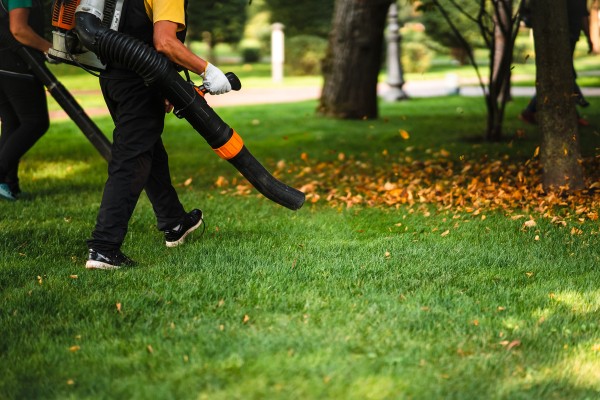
<point x="215" y="81"/>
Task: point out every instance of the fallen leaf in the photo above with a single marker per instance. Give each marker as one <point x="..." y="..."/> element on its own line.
<point x="73" y="349"/>
<point x="246" y="319"/>
<point x="512" y="344"/>
<point x="404" y="135"/>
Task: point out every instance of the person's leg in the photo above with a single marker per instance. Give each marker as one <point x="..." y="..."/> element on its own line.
<point x="12" y="180"/>
<point x="24" y="115"/>
<point x="138" y="113"/>
<point x="160" y="190"/>
<point x="528" y="114"/>
<point x="9" y="123"/>
<point x="170" y="215"/>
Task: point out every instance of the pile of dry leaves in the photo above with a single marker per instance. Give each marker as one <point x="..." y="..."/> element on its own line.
<point x="465" y="186"/>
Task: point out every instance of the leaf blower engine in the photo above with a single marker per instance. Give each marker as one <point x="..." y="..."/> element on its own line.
<point x="86" y="33"/>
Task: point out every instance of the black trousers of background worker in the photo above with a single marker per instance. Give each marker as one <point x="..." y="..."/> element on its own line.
<point x="24" y="116"/>
<point x="139" y="160"/>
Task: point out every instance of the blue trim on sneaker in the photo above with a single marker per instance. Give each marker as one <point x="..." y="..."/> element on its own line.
<point x="5" y="192"/>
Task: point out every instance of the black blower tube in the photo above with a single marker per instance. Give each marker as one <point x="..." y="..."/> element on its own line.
<point x="67" y="102"/>
<point x="154" y="68"/>
<point x="62" y="96"/>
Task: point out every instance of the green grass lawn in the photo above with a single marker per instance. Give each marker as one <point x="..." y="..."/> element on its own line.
<point x="411" y="300"/>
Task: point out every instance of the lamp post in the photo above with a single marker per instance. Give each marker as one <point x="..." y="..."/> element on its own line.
<point x="395" y="75"/>
<point x="277" y="51"/>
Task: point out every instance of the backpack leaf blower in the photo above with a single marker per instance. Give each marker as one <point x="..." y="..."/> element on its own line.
<point x="94" y="27"/>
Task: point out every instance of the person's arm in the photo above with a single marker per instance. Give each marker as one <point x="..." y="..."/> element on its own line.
<point x="585" y="27"/>
<point x="166" y="42"/>
<point x="20" y="29"/>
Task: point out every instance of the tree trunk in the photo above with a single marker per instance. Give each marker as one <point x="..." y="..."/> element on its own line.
<point x="351" y="66"/>
<point x="560" y="152"/>
<point x="501" y="50"/>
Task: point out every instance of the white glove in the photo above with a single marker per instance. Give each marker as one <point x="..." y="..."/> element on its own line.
<point x="215" y="81"/>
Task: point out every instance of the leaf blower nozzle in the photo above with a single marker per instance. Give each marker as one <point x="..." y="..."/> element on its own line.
<point x="188" y="101"/>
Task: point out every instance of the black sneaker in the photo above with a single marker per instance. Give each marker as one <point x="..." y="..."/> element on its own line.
<point x="188" y="224"/>
<point x="581" y="101"/>
<point x="108" y="260"/>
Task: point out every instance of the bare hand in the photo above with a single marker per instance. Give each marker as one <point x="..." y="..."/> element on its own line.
<point x="168" y="106"/>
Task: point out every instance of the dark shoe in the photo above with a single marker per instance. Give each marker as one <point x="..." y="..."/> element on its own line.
<point x="5" y="193"/>
<point x="108" y="260"/>
<point x="189" y="223"/>
<point x="528" y="116"/>
<point x="15" y="189"/>
<point x="582" y="102"/>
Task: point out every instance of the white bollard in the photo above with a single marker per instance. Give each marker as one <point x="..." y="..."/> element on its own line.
<point x="452" y="85"/>
<point x="277" y="51"/>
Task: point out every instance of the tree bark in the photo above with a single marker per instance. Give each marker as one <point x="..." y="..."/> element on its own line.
<point x="353" y="60"/>
<point x="557" y="115"/>
<point x="501" y="50"/>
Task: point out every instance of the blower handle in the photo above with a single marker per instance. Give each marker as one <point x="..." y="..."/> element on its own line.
<point x="235" y="82"/>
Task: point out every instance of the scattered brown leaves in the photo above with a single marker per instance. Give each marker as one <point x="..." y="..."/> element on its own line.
<point x="469" y="186"/>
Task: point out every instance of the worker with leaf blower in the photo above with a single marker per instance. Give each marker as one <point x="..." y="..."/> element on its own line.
<point x="139" y="159"/>
<point x="23" y="105"/>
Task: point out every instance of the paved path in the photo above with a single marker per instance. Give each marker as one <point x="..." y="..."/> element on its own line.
<point x="292" y="94"/>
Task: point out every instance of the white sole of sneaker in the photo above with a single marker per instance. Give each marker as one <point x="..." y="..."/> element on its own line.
<point x="180" y="241"/>
<point x="92" y="264"/>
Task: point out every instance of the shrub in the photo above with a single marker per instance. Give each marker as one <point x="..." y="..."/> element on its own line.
<point x="250" y="51"/>
<point x="250" y="55"/>
<point x="416" y="57"/>
<point x="304" y="53"/>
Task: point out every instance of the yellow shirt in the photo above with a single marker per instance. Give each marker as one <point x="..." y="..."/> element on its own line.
<point x="166" y="10"/>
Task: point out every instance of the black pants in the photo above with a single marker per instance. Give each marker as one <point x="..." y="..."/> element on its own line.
<point x="24" y="116"/>
<point x="139" y="161"/>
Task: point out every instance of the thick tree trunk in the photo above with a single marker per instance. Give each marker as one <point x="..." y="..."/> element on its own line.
<point x="560" y="152"/>
<point x="351" y="66"/>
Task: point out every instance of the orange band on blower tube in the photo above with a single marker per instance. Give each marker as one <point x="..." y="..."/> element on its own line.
<point x="231" y="148"/>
